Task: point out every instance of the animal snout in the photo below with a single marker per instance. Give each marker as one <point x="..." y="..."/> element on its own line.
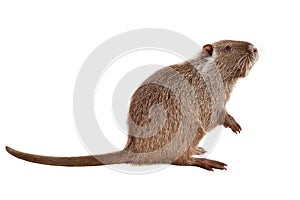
<point x="252" y="48"/>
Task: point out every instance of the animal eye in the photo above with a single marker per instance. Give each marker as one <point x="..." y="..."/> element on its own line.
<point x="228" y="48"/>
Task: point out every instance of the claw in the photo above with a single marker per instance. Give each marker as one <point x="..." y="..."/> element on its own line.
<point x="231" y="123"/>
<point x="200" y="151"/>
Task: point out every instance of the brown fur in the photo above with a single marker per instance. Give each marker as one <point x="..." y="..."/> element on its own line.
<point x="174" y="108"/>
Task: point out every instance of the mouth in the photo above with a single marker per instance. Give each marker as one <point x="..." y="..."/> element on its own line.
<point x="248" y="62"/>
<point x="253" y="54"/>
<point x="253" y="58"/>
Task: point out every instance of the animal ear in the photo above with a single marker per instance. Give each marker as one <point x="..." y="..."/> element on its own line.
<point x="207" y="50"/>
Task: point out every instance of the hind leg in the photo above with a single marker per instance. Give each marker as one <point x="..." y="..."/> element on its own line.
<point x="187" y="160"/>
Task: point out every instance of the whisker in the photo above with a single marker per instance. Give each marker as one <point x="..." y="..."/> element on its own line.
<point x="238" y="64"/>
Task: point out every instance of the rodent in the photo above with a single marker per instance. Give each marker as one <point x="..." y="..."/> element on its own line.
<point x="173" y="109"/>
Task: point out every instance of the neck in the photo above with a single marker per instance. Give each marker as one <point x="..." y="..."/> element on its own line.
<point x="228" y="86"/>
<point x="221" y="78"/>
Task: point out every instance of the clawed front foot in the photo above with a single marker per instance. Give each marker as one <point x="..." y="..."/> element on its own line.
<point x="231" y="123"/>
<point x="200" y="151"/>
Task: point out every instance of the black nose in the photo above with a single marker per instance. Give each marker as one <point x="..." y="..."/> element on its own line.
<point x="255" y="50"/>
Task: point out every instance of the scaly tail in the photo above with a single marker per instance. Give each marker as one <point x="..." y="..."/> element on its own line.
<point x="93" y="160"/>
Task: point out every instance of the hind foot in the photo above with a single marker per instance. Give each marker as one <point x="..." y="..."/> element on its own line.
<point x="208" y="164"/>
<point x="200" y="151"/>
<point x="200" y="162"/>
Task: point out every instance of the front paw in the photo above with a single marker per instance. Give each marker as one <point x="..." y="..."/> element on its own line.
<point x="199" y="151"/>
<point x="235" y="127"/>
<point x="231" y="123"/>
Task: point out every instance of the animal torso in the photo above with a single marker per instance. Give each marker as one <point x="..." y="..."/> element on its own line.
<point x="179" y="96"/>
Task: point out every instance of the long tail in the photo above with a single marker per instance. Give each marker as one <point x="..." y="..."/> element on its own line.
<point x="93" y="160"/>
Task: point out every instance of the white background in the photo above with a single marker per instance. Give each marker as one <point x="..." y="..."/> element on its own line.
<point x="43" y="46"/>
